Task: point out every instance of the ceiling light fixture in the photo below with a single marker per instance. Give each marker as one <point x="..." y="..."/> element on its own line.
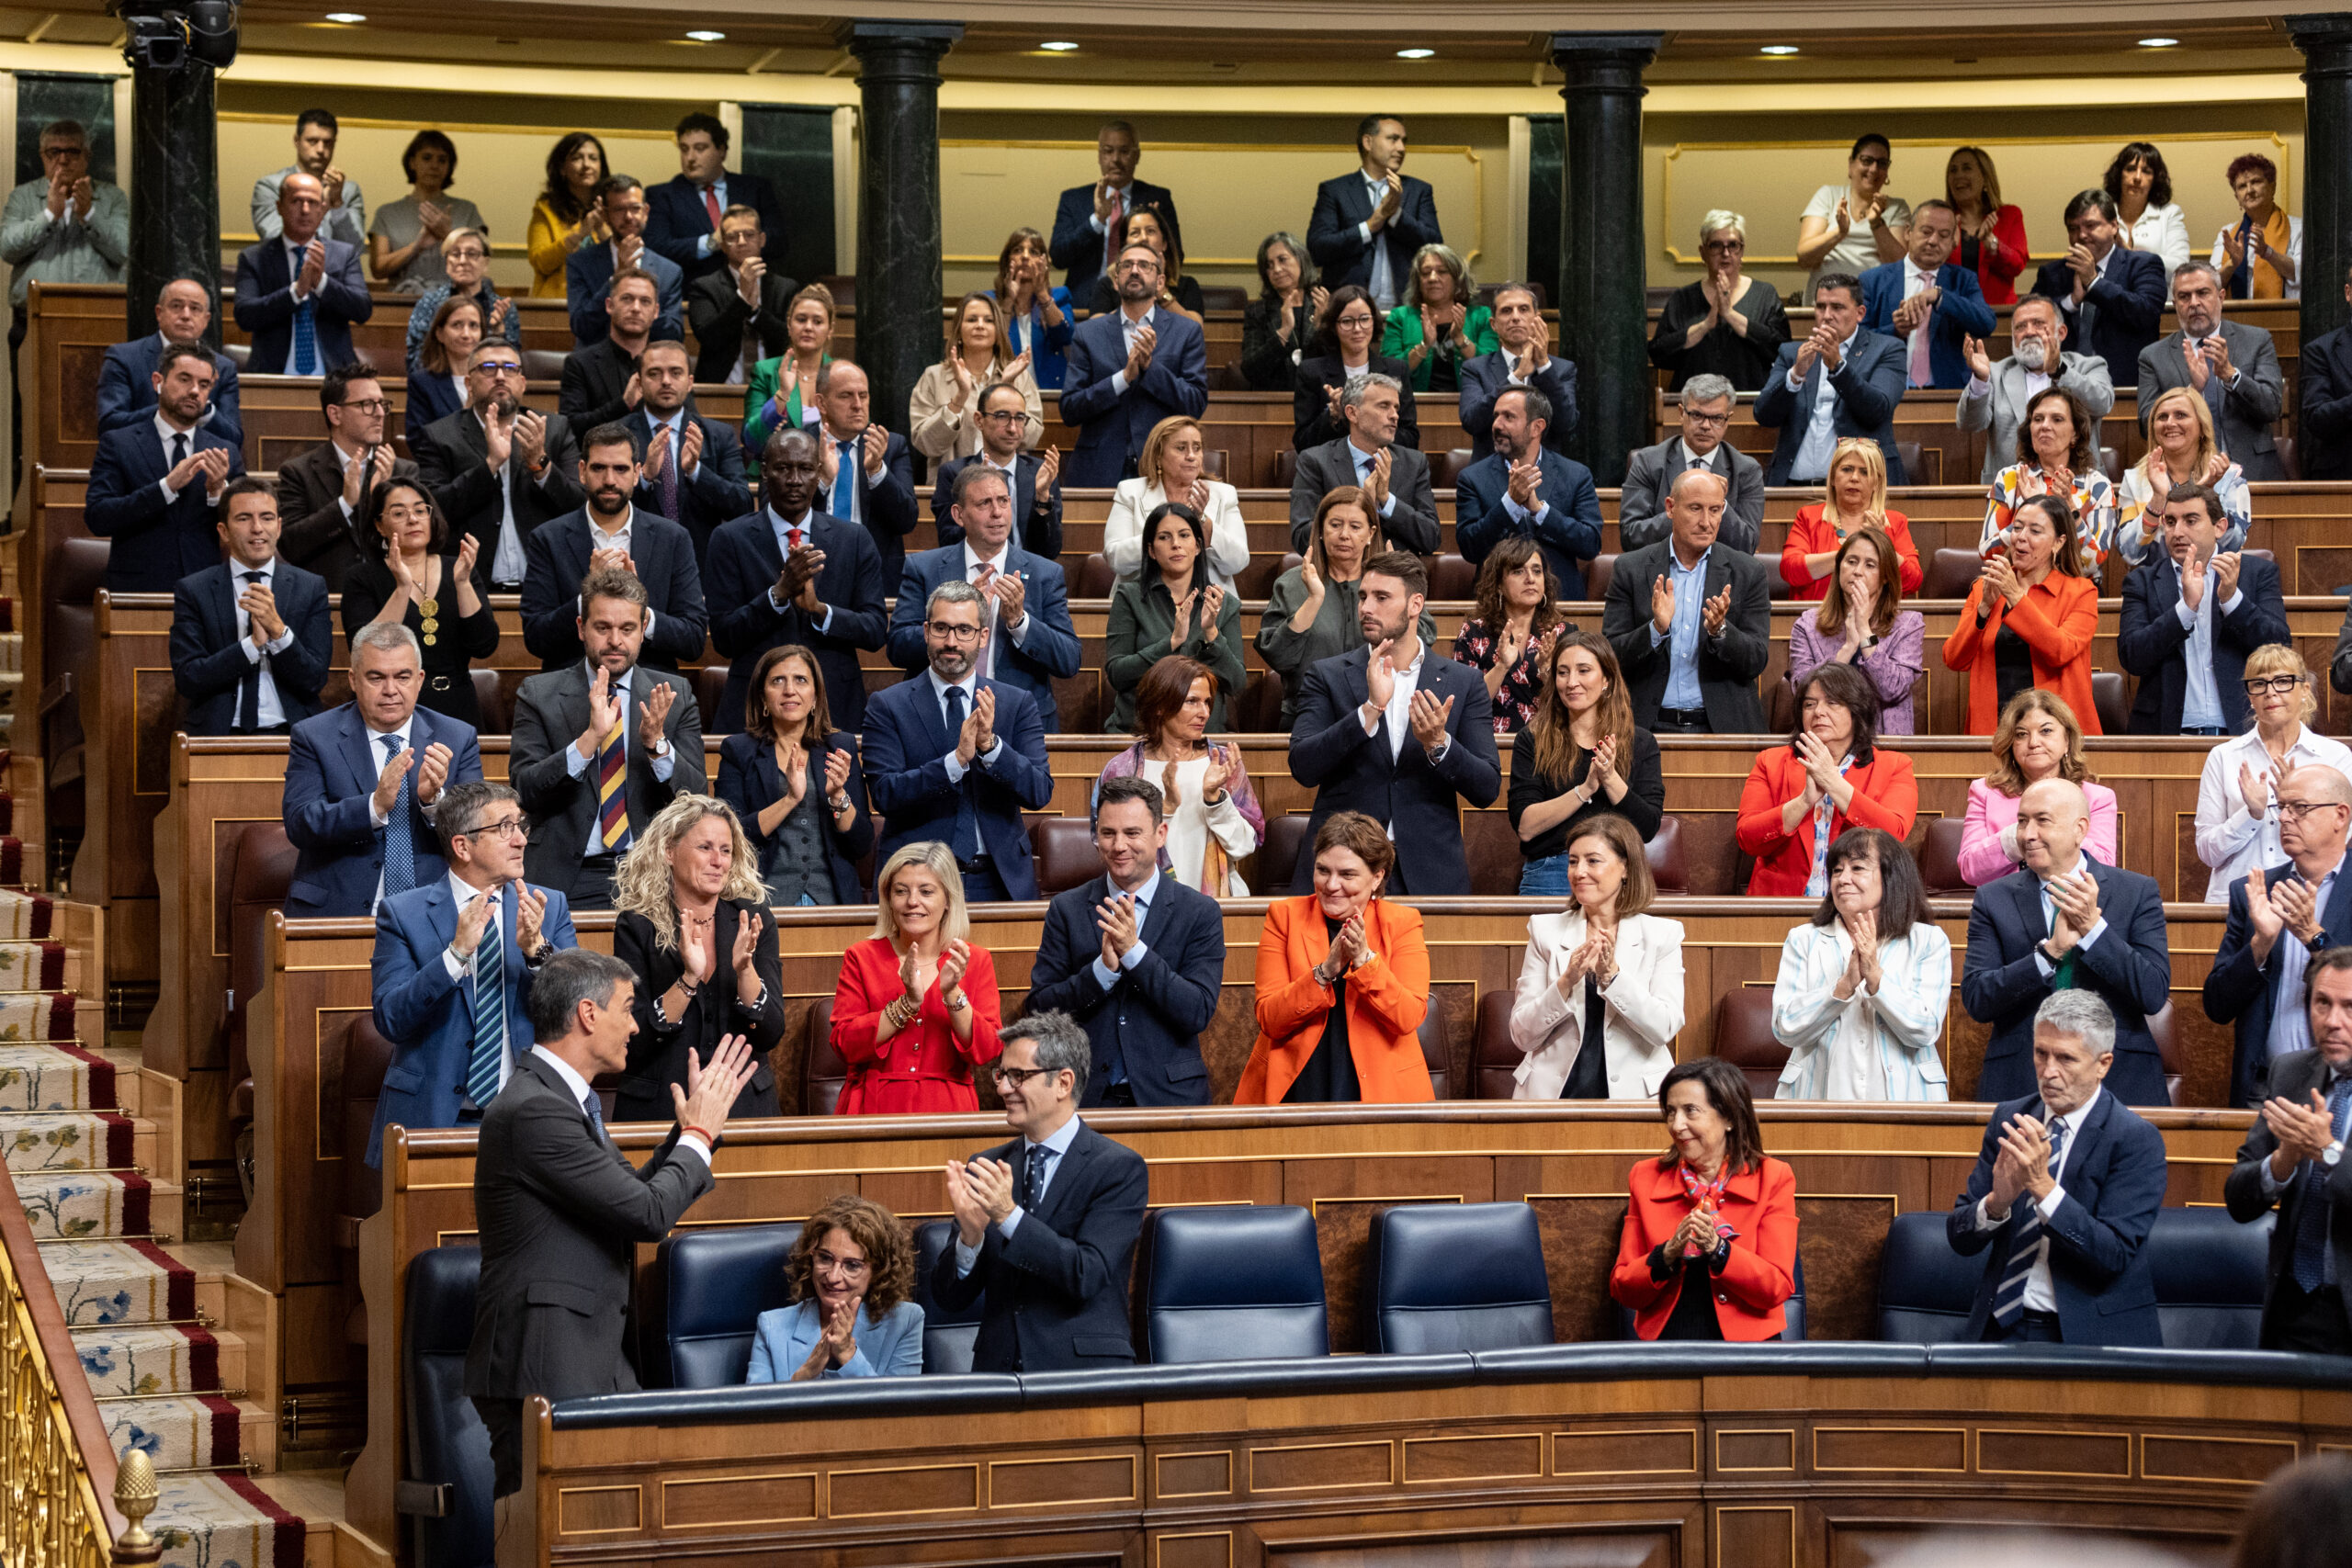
<point x="2158" y="43"/>
<point x="349" y="18"/>
<point x="704" y="35"/>
<point x="1415" y="53"/>
<point x="1060" y="46"/>
<point x="1779" y="51"/>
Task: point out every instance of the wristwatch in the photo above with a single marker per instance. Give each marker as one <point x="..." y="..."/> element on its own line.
<point x="2330" y="1154"/>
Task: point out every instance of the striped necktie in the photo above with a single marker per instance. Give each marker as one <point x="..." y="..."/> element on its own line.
<point x="489" y="1058"/>
<point x="611" y="789"/>
<point x="2027" y="1243"/>
<point x="400" y="852"/>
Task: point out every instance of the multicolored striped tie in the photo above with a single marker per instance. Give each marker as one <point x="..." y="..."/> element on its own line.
<point x="2027" y="1243"/>
<point x="489" y="1058"/>
<point x="611" y="789"/>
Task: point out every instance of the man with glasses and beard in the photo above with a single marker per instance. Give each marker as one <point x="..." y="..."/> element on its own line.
<point x="1998" y="392"/>
<point x="2280" y="917"/>
<point x="1127" y="370"/>
<point x="610" y="532"/>
<point x="497" y="468"/>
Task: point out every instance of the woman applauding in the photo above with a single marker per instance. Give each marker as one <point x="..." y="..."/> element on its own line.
<point x="1213" y="815"/>
<point x="916" y="1008"/>
<point x="1582" y="757"/>
<point x="1853" y="498"/>
<point x="420" y="582"/>
<point x="2038" y="738"/>
<point x="2181" y="451"/>
<point x="1175" y="608"/>
<point x="1800" y="797"/>
<point x="1860" y="998"/>
<point x="2029" y="619"/>
<point x="1507" y="638"/>
<point x="850" y="1276"/>
<point x="1862" y="622"/>
<point x="794" y="781"/>
<point x="1599" y="997"/>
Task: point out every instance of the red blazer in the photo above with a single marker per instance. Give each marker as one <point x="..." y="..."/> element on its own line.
<point x="1760" y="1204"/>
<point x="1811" y="533"/>
<point x="2057" y="617"/>
<point x="924" y="1069"/>
<point x="1886" y="794"/>
<point x="1997" y="274"/>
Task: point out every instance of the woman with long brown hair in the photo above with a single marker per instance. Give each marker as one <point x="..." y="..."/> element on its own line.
<point x="943" y="410"/>
<point x="1581" y="757"/>
<point x="566" y="215"/>
<point x="1213" y="815"/>
<point x="794" y="782"/>
<point x="1599" y="997"/>
<point x="1861" y="621"/>
<point x="2029" y="619"/>
<point x="1173" y="606"/>
<point x="1037" y="320"/>
<point x="1509" y="636"/>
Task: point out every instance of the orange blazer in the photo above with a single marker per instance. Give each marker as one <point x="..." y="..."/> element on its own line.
<point x="1760" y="1204"/>
<point x="1386" y="997"/>
<point x="2057" y="617"/>
<point x="1886" y="794"/>
<point x="1812" y="532"/>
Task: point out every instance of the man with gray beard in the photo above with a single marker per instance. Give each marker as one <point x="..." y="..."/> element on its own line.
<point x="1997" y="395"/>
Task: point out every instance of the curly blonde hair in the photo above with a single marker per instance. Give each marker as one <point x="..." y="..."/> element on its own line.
<point x="643" y="882"/>
<point x="890" y="1260"/>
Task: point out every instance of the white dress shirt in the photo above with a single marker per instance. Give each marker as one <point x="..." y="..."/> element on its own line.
<point x="1057" y="1146"/>
<point x="1128" y="327"/>
<point x="2233" y="839"/>
<point x="2040" y="1295"/>
<point x="2049" y="919"/>
<point x="665" y="760"/>
<point x="268" y="710"/>
<point x="971" y="686"/>
<point x="2200" y="703"/>
<point x="1381" y="284"/>
<point x="2290" y="1024"/>
<point x="167" y="433"/>
<point x="1399" y="717"/>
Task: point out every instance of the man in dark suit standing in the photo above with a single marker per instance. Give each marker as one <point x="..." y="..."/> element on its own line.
<point x="127" y="375"/>
<point x="611" y="533"/>
<point x="788" y="573"/>
<point x="1031" y="641"/>
<point x="2190" y="617"/>
<point x="694" y="466"/>
<point x="2231" y="366"/>
<point x="2064" y="1193"/>
<point x="1927" y="302"/>
<point x="592" y="268"/>
<point x="868" y="474"/>
<point x="1036" y="480"/>
<point x="1525" y="359"/>
<point x="600" y="380"/>
<point x="1399" y="731"/>
<point x="954" y="757"/>
<point x="1368" y="223"/>
<point x="2281" y="917"/>
<point x="738" y="310"/>
<point x="1127" y="371"/>
<point x="600" y="746"/>
<point x="2112" y="297"/>
<point x="686" y="214"/>
<point x="300" y="294"/>
<point x="1136" y="956"/>
<point x="1087" y="216"/>
<point x="1692" y="621"/>
<point x="1526" y="491"/>
<point x="562" y="1211"/>
<point x="1650" y="472"/>
<point x="154" y="486"/>
<point x="2323" y="401"/>
<point x="251" y="638"/>
<point x="2294" y="1159"/>
<point x="500" y="470"/>
<point x="1842" y="381"/>
<point x="1368" y="456"/>
<point x="323" y="492"/>
<point x="2066" y="922"/>
<point x="1045" y="1224"/>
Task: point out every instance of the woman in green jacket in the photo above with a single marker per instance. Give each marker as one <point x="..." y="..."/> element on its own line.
<point x="1441" y="324"/>
<point x="781" y="393"/>
<point x="1172" y="605"/>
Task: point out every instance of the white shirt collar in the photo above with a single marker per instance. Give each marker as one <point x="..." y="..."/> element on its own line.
<point x="1058" y="1140"/>
<point x="597" y="530"/>
<point x="572" y="1081"/>
<point x="972" y="557"/>
<point x="805" y="522"/>
<point x="267" y="569"/>
<point x="971" y="685"/>
<point x="170" y="433"/>
<point x="1912" y="270"/>
<point x="2080" y="867"/>
<point x="375" y="736"/>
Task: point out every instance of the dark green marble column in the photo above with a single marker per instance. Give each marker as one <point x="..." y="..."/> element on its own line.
<point x="1603" y="271"/>
<point x="174" y="190"/>
<point x="899" y="275"/>
<point x="2325" y="39"/>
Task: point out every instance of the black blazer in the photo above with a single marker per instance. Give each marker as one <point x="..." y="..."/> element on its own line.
<point x="676" y="221"/>
<point x="2239" y="992"/>
<point x="1150" y="1022"/>
<point x="1075" y="246"/>
<point x="317" y="537"/>
<point x="556" y="553"/>
<point x="2323" y="397"/>
<point x="657" y="1057"/>
<point x="714" y="492"/>
<point x="266" y="305"/>
<point x="1340" y="254"/>
<point x="448" y="658"/>
<point x="1484" y="379"/>
<point x="745" y="562"/>
<point x="155" y="542"/>
<point x="1728" y="664"/>
<point x="716" y="310"/>
<point x="1349" y="771"/>
<point x="1266" y="362"/>
<point x="2154" y="645"/>
<point x="1057" y="1292"/>
<point x="1411" y="524"/>
<point x="1039" y="526"/>
<point x="750" y="781"/>
<point x="549" y="713"/>
<point x="453" y="459"/>
<point x="208" y="665"/>
<point x="595" y="386"/>
<point x="2130" y="296"/>
<point x="430" y="398"/>
<point x="1867" y="383"/>
<point x="1310" y="402"/>
<point x="2297" y="1076"/>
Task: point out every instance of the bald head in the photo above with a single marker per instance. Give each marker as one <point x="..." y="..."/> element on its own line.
<point x="2317" y="781"/>
<point x="2054" y="818"/>
<point x="1700" y="483"/>
<point x="2314" y="815"/>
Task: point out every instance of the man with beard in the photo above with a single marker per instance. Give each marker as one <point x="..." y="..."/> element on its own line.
<point x="2231" y="366"/>
<point x="127" y="379"/>
<point x="499" y="470"/>
<point x="1525" y="490"/>
<point x="600" y="381"/>
<point x="611" y="533"/>
<point x="1996" y="397"/>
<point x="154" y="485"/>
<point x="694" y="466"/>
<point x="323" y="492"/>
<point x="1127" y="371"/>
<point x="1399" y="732"/>
<point x="1395" y="479"/>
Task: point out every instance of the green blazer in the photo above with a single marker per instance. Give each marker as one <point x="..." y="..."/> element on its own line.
<point x="1403" y="335"/>
<point x="1143" y="617"/>
<point x="757" y="428"/>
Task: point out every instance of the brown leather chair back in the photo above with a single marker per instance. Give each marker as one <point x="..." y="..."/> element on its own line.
<point x="1780" y="707"/>
<point x="1493" y="1060"/>
<point x="1433" y="1049"/>
<point x="1063" y="849"/>
<point x="261" y="869"/>
<point x="1939" y="860"/>
<point x="709" y="681"/>
<point x="1095" y="578"/>
<point x="1491" y="846"/>
<point x="490" y="696"/>
<point x="367" y="1056"/>
<point x="1259" y="709"/>
<point x="2107" y="696"/>
<point x="2168" y="1050"/>
<point x="2111" y="463"/>
<point x="1278" y="856"/>
<point x="1286" y="468"/>
<point x="1453" y="579"/>
<point x="1217" y="459"/>
<point x="1597" y="573"/>
<point x="1950" y="574"/>
<point x="1915" y="464"/>
<point x="2287" y="464"/>
<point x="1446" y="467"/>
<point x="1743" y="1038"/>
<point x="1669" y="869"/>
<point x="70" y="623"/>
<point x="823" y="1071"/>
<point x="543" y="365"/>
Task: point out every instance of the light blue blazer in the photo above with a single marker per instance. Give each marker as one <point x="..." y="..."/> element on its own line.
<point x="890" y="1349"/>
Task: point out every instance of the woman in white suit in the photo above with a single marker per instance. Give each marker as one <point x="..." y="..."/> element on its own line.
<point x="851" y="1273"/>
<point x="1169" y="469"/>
<point x="1599" y="996"/>
<point x="1863" y="985"/>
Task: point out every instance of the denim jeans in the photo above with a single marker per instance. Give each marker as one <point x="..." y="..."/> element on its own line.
<point x="1547" y="877"/>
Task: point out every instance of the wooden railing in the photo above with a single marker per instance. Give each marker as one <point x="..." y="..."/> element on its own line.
<point x="57" y="1468"/>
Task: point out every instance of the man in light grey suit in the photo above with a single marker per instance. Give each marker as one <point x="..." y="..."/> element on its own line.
<point x="2234" y="368"/>
<point x="1649" y="474"/>
<point x="1368" y="455"/>
<point x="314" y="137"/>
<point x="1996" y="395"/>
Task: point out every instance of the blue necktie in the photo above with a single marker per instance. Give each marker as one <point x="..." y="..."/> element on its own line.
<point x="1038" y="1155"/>
<point x="2026" y="1243"/>
<point x="595" y="1109"/>
<point x="249" y="686"/>
<point x="844" y="503"/>
<point x="306" y="338"/>
<point x="489" y="1011"/>
<point x="967" y="820"/>
<point x="400" y="852"/>
<point x="2311" y="1213"/>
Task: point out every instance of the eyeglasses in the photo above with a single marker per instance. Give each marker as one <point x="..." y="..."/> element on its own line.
<point x="1015" y="1076"/>
<point x="1723" y="244"/>
<point x="467" y="253"/>
<point x="949" y="631"/>
<point x="1867" y="161"/>
<point x="504" y="827"/>
<point x="1692" y="416"/>
<point x="1005" y="416"/>
<point x="499" y="366"/>
<point x="827" y="1262"/>
<point x="2296" y="810"/>
<point x="2281" y="684"/>
<point x="368" y="405"/>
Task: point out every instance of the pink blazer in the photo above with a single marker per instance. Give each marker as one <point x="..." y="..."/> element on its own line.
<point x="1982" y="859"/>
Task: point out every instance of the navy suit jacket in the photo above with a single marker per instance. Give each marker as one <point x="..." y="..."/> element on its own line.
<point x="590" y="271"/>
<point x="713" y="493"/>
<point x="749" y="782"/>
<point x="2130" y="294"/>
<point x="2240" y="991"/>
<point x="1868" y="384"/>
<point x="2323" y="389"/>
<point x="1340" y="255"/>
<point x="207" y="664"/>
<point x="431" y="399"/>
<point x="1961" y="312"/>
<point x="1569" y="531"/>
<point x="1146" y="1028"/>
<point x="890" y="514"/>
<point x="1484" y="379"/>
<point x="266" y="305"/>
<point x="676" y="222"/>
<point x="157" y="541"/>
<point x="556" y="559"/>
<point x="330" y="772"/>
<point x="1349" y="771"/>
<point x="127" y="390"/>
<point x="1037" y="520"/>
<point x="2114" y="1181"/>
<point x="1112" y="425"/>
<point x="1050" y="646"/>
<point x="429" y="1016"/>
<point x="746" y="562"/>
<point x="2129" y="966"/>
<point x="907" y="745"/>
<point x="2154" y="645"/>
<point x="1057" y="1290"/>
<point x="1078" y="249"/>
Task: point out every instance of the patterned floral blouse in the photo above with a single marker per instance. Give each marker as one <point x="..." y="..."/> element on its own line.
<point x="1515" y="704"/>
<point x="2093" y="500"/>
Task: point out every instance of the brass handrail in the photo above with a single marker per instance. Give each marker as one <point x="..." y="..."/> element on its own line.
<point x="53" y="1445"/>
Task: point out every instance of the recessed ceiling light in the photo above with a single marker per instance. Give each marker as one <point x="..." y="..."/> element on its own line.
<point x="1778" y="49"/>
<point x="2158" y="43"/>
<point x="1415" y="53"/>
<point x="1060" y="46"/>
<point x="704" y="35"/>
<point x="352" y="19"/>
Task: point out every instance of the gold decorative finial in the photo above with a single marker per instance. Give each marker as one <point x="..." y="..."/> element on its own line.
<point x="135" y="1495"/>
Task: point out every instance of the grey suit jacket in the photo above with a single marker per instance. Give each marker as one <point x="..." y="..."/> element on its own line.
<point x="2250" y="404"/>
<point x="1410" y="524"/>
<point x="317" y="535"/>
<point x="550" y="711"/>
<point x="1641" y="510"/>
<point x="562" y="1213"/>
<point x="347" y="222"/>
<point x="1728" y="663"/>
<point x="2001" y="407"/>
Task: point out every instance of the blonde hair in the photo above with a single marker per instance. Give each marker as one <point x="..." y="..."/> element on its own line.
<point x="643" y="884"/>
<point x="1984" y="167"/>
<point x="1875" y="510"/>
<point x="2280" y="659"/>
<point x="1151" y="462"/>
<point x="1465" y="288"/>
<point x="1720" y="219"/>
<point x="940" y="861"/>
<point x="2191" y="400"/>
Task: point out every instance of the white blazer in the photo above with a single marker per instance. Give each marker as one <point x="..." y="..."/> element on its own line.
<point x="1134" y="501"/>
<point x="1643" y="1003"/>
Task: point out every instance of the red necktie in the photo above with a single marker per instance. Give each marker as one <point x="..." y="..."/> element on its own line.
<point x="710" y="203"/>
<point x="794" y="537"/>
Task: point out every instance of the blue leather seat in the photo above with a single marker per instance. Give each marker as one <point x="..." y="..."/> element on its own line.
<point x="1232" y="1284"/>
<point x="1791" y="1312"/>
<point x="1468" y="1277"/>
<point x="1924" y="1288"/>
<point x="709" y="1290"/>
<point x="447" y="1486"/>
<point x="947" y="1337"/>
<point x="2209" y="1274"/>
